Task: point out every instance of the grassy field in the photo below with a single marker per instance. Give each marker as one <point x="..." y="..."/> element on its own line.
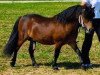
<point x="68" y="61"/>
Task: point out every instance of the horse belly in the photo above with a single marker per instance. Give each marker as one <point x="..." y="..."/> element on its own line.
<point x="44" y="39"/>
<point x="42" y="36"/>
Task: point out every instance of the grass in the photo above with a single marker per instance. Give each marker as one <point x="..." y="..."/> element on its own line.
<point x="68" y="61"/>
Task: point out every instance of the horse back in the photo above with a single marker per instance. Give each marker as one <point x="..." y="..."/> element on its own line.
<point x="44" y="30"/>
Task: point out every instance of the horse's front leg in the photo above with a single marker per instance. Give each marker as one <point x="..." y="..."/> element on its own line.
<point x="56" y="54"/>
<point x="77" y="50"/>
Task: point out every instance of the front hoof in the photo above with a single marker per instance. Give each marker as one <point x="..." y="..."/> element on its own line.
<point x="55" y="68"/>
<point x="35" y="65"/>
<point x="12" y="64"/>
<point x="86" y="66"/>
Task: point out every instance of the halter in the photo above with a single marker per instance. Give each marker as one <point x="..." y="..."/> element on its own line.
<point x="80" y="19"/>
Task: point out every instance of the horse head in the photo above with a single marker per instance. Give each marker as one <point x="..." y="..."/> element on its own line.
<point x="87" y="16"/>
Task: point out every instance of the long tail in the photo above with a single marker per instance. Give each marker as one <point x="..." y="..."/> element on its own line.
<point x="12" y="42"/>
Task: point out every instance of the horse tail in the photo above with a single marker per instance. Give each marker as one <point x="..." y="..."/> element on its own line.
<point x="13" y="40"/>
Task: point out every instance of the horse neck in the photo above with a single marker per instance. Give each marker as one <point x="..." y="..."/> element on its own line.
<point x="69" y="14"/>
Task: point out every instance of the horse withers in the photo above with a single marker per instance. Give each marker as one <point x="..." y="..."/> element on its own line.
<point x="57" y="30"/>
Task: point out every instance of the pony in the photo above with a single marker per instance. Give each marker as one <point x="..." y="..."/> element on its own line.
<point x="58" y="30"/>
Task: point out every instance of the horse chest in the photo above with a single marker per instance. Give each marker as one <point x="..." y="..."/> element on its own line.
<point x="59" y="34"/>
<point x="65" y="33"/>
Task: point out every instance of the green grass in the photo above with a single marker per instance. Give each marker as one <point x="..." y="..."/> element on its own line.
<point x="68" y="61"/>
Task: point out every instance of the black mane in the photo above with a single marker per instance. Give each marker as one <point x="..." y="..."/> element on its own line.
<point x="69" y="14"/>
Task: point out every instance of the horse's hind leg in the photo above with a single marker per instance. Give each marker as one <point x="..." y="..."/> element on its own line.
<point x="76" y="49"/>
<point x="20" y="42"/>
<point x="31" y="52"/>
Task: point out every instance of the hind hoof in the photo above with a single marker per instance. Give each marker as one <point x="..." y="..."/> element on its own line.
<point x="35" y="65"/>
<point x="55" y="68"/>
<point x="12" y="64"/>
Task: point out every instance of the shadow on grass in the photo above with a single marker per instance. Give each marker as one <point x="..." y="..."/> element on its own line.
<point x="96" y="65"/>
<point x="70" y="65"/>
<point x="66" y="65"/>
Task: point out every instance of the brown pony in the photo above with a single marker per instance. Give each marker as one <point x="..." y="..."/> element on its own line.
<point x="57" y="30"/>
